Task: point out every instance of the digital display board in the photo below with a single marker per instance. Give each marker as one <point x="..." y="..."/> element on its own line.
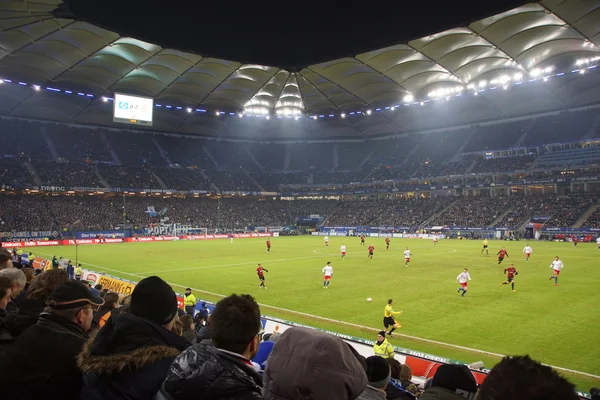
<point x="130" y="109"/>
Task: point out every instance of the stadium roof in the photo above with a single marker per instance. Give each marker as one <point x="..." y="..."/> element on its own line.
<point x="535" y="40"/>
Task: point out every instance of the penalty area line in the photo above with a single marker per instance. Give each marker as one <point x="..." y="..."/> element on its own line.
<point x="350" y="324"/>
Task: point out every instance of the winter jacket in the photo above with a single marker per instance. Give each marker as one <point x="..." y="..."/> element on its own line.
<point x="205" y="372"/>
<point x="27" y="315"/>
<point x="310" y="364"/>
<point x="41" y="363"/>
<point x="385" y="349"/>
<point x="203" y="334"/>
<point x="6" y="338"/>
<point x="128" y="359"/>
<point x="370" y="393"/>
<point x="189" y="335"/>
<point x="438" y="393"/>
<point x="393" y="392"/>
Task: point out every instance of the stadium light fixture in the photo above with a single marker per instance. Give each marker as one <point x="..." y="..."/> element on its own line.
<point x="189" y="110"/>
<point x="36" y="88"/>
<point x="217" y="113"/>
<point x="343" y="115"/>
<point x="422" y="103"/>
<point x="392" y="108"/>
<point x="369" y="112"/>
<point x="240" y="115"/>
<point x="409" y="98"/>
<point x="482" y="83"/>
<point x="267" y="117"/>
<point x="296" y="118"/>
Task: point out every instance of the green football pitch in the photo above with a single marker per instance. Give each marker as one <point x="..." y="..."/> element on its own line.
<point x="558" y="325"/>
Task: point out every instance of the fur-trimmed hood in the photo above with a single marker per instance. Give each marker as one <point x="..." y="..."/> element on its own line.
<point x="128" y="343"/>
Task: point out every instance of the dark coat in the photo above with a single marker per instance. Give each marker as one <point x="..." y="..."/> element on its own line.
<point x="189" y="335"/>
<point x="6" y="338"/>
<point x="27" y="315"/>
<point x="128" y="359"/>
<point x="205" y="372"/>
<point x="42" y="362"/>
<point x="203" y="334"/>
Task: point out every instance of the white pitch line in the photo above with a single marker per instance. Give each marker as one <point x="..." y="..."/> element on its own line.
<point x="455" y="346"/>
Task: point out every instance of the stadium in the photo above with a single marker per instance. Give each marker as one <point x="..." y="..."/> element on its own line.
<point x="404" y="156"/>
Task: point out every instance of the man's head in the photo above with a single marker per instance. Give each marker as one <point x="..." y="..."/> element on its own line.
<point x="5" y="291"/>
<point x="378" y="372"/>
<point x="260" y="265"/>
<point x="556" y="258"/>
<point x="29" y="273"/>
<point x="235" y="325"/>
<point x="111" y="301"/>
<point x="98" y="287"/>
<point x="457" y="379"/>
<point x="395" y="368"/>
<point x="390" y="301"/>
<point x="381" y="336"/>
<point x="328" y="262"/>
<point x="466" y="270"/>
<point x="187" y="322"/>
<point x="154" y="300"/>
<point x="405" y="372"/>
<point x="521" y="378"/>
<point x="73" y="301"/>
<point x="5" y="259"/>
<point x="188" y="291"/>
<point x="18" y="279"/>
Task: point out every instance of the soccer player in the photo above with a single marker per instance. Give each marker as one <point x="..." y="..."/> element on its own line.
<point x="326" y="241"/>
<point x="575" y="240"/>
<point x="327" y="274"/>
<point x="371" y="250"/>
<point x="557" y="266"/>
<point x="269" y="246"/>
<point x="510" y="272"/>
<point x="362" y="239"/>
<point x="462" y="278"/>
<point x="343" y="250"/>
<point x="387" y="243"/>
<point x="231" y="237"/>
<point x="527" y="250"/>
<point x="407" y="255"/>
<point x="501" y="254"/>
<point x="435" y="239"/>
<point x="485" y="247"/>
<point x="598" y="242"/>
<point x="388" y="318"/>
<point x="260" y="271"/>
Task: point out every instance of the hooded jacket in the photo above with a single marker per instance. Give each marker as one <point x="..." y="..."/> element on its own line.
<point x="42" y="362"/>
<point x="310" y="364"/>
<point x="128" y="359"/>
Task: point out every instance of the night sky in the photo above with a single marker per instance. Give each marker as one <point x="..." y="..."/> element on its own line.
<point x="280" y="33"/>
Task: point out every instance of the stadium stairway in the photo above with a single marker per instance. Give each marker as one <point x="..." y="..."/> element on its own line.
<point x="593" y="129"/>
<point x="254" y="160"/>
<point x="367" y="158"/>
<point x="501" y="217"/>
<point x="161" y="151"/>
<point x="109" y="147"/>
<point x="160" y="181"/>
<point x="50" y="144"/>
<point x="260" y="188"/>
<point x="526" y="130"/>
<point x="470" y="167"/>
<point x="458" y="154"/>
<point x="210" y="156"/>
<point x="212" y="184"/>
<point x="428" y="220"/>
<point x="584" y="217"/>
<point x="101" y="178"/>
<point x="36" y="178"/>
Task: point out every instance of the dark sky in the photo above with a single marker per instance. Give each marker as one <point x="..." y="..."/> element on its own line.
<point x="281" y="33"/>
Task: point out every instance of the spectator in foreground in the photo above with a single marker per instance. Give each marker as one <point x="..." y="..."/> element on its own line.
<point x="220" y="369"/>
<point x="6" y="259"/>
<point x="35" y="300"/>
<point x="19" y="280"/>
<point x="378" y="376"/>
<point x="395" y="389"/>
<point x="130" y="356"/>
<point x="111" y="301"/>
<point x="29" y="274"/>
<point x="188" y="325"/>
<point x="310" y="364"/>
<point x="521" y="378"/>
<point x="5" y="288"/>
<point x="204" y="332"/>
<point x="451" y="382"/>
<point x="42" y="362"/>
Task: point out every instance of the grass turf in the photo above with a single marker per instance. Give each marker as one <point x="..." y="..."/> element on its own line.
<point x="556" y="325"/>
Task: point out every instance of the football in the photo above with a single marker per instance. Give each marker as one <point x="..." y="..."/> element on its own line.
<point x="369" y="299"/>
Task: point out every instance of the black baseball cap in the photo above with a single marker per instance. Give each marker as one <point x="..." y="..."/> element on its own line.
<point x="72" y="295"/>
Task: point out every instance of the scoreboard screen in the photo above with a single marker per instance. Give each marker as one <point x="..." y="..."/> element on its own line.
<point x="130" y="109"/>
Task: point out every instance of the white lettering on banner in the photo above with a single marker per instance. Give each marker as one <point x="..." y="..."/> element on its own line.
<point x="53" y="188"/>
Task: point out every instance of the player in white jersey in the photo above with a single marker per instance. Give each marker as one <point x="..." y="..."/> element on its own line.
<point x="598" y="242"/>
<point x="435" y="240"/>
<point x="343" y="250"/>
<point x="327" y="274"/>
<point x="527" y="250"/>
<point x="326" y="241"/>
<point x="462" y="278"/>
<point x="407" y="255"/>
<point x="557" y="266"/>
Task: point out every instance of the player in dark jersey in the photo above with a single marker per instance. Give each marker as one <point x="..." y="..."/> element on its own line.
<point x="269" y="246"/>
<point x="362" y="239"/>
<point x="510" y="272"/>
<point x="371" y="250"/>
<point x="260" y="271"/>
<point x="501" y="254"/>
<point x="387" y="243"/>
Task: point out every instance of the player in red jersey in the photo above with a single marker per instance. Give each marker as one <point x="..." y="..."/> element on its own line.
<point x="387" y="243"/>
<point x="269" y="246"/>
<point x="362" y="239"/>
<point x="501" y="254"/>
<point x="510" y="272"/>
<point x="371" y="250"/>
<point x="260" y="271"/>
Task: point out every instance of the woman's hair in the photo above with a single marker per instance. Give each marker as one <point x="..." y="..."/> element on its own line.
<point x="187" y="321"/>
<point x="29" y="273"/>
<point x="43" y="284"/>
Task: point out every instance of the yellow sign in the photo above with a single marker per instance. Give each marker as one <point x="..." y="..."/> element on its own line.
<point x="116" y="285"/>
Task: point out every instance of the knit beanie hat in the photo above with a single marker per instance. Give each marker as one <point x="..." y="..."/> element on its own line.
<point x="456" y="378"/>
<point x="378" y="372"/>
<point x="155" y="300"/>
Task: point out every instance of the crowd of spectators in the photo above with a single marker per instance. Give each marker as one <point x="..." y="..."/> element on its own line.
<point x="129" y="176"/>
<point x="238" y="181"/>
<point x="593" y="221"/>
<point x="473" y="211"/>
<point x="180" y="178"/>
<point x="70" y="174"/>
<point x="503" y="164"/>
<point x="148" y="348"/>
<point x="14" y="173"/>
